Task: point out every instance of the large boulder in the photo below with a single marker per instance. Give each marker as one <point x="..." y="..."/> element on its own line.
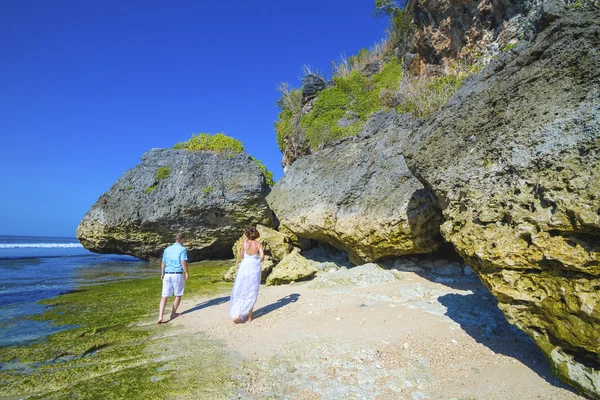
<point x="210" y="197"/>
<point x="514" y="160"/>
<point x="294" y="267"/>
<point x="359" y="196"/>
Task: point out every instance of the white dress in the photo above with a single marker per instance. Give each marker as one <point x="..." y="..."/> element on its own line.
<point x="245" y="287"/>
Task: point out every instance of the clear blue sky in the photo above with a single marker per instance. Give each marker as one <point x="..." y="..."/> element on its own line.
<point x="86" y="87"/>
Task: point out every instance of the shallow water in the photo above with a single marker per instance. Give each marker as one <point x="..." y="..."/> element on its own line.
<point x="37" y="268"/>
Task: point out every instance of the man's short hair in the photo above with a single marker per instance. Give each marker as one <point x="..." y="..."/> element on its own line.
<point x="179" y="236"/>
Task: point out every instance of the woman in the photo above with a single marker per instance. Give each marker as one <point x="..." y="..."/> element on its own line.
<point x="247" y="279"/>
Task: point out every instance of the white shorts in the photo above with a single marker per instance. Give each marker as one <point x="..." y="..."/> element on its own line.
<point x="172" y="283"/>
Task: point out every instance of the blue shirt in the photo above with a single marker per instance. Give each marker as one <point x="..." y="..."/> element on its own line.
<point x="173" y="256"/>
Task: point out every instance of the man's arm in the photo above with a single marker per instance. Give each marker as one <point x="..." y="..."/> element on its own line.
<point x="185" y="268"/>
<point x="162" y="270"/>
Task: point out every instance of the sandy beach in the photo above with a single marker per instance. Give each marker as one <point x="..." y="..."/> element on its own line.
<point x="410" y="338"/>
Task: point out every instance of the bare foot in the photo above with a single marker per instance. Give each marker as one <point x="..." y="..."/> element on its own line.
<point x="159" y="321"/>
<point x="250" y="316"/>
<point x="175" y="315"/>
<point x="237" y="320"/>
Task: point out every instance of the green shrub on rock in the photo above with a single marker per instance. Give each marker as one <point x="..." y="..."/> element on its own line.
<point x="162" y="173"/>
<point x="354" y="95"/>
<point x="266" y="173"/>
<point x="219" y="143"/>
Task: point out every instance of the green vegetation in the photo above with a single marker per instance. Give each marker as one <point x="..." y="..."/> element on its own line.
<point x="128" y="188"/>
<point x="399" y="13"/>
<point x="207" y="189"/>
<point x="422" y="96"/>
<point x="266" y="173"/>
<point x="284" y="126"/>
<point x="578" y="4"/>
<point x="219" y="143"/>
<point x="162" y="173"/>
<point x="116" y="350"/>
<point x="150" y="189"/>
<point x="353" y="96"/>
<point x="509" y="47"/>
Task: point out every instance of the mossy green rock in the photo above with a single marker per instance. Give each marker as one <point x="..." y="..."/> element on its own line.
<point x="210" y="197"/>
<point x="359" y="196"/>
<point x="514" y="161"/>
<point x="292" y="268"/>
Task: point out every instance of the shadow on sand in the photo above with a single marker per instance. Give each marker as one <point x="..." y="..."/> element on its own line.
<point x="206" y="304"/>
<point x="292" y="298"/>
<point x="479" y="316"/>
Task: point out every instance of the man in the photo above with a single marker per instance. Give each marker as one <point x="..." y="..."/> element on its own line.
<point x="172" y="268"/>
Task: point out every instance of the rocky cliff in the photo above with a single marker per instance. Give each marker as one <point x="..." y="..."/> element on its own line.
<point x="438" y="33"/>
<point x="210" y="197"/>
<point x="514" y="162"/>
<point x="359" y="196"/>
<point x="430" y="38"/>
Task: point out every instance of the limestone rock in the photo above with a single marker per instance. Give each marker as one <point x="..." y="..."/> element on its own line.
<point x="443" y="31"/>
<point x="311" y="85"/>
<point x="359" y="196"/>
<point x="514" y="160"/>
<point x="292" y="268"/>
<point x="361" y="276"/>
<point x="210" y="197"/>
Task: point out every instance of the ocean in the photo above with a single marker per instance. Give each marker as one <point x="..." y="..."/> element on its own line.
<point x="36" y="268"/>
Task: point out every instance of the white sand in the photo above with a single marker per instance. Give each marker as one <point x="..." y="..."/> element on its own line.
<point x="413" y="339"/>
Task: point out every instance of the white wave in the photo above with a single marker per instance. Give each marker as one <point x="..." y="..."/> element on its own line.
<point x="39" y="245"/>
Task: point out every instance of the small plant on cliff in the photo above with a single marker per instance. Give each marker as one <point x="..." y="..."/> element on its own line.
<point x="162" y="173"/>
<point x="207" y="189"/>
<point x="577" y="4"/>
<point x="400" y="18"/>
<point x="423" y="95"/>
<point x="150" y="189"/>
<point x="219" y="143"/>
<point x="266" y="173"/>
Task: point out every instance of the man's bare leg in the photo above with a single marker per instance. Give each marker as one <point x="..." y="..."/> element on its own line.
<point x="161" y="309"/>
<point x="250" y="316"/>
<point x="175" y="305"/>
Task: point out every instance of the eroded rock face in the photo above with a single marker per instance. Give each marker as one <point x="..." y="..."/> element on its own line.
<point x="443" y="31"/>
<point x="359" y="196"/>
<point x="292" y="268"/>
<point x="514" y="160"/>
<point x="209" y="197"/>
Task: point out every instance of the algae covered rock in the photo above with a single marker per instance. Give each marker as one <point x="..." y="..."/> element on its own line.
<point x="514" y="161"/>
<point x="292" y="268"/>
<point x="359" y="196"/>
<point x="210" y="197"/>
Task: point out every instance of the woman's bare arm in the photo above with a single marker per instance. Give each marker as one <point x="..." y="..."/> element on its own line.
<point x="261" y="250"/>
<point x="242" y="249"/>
